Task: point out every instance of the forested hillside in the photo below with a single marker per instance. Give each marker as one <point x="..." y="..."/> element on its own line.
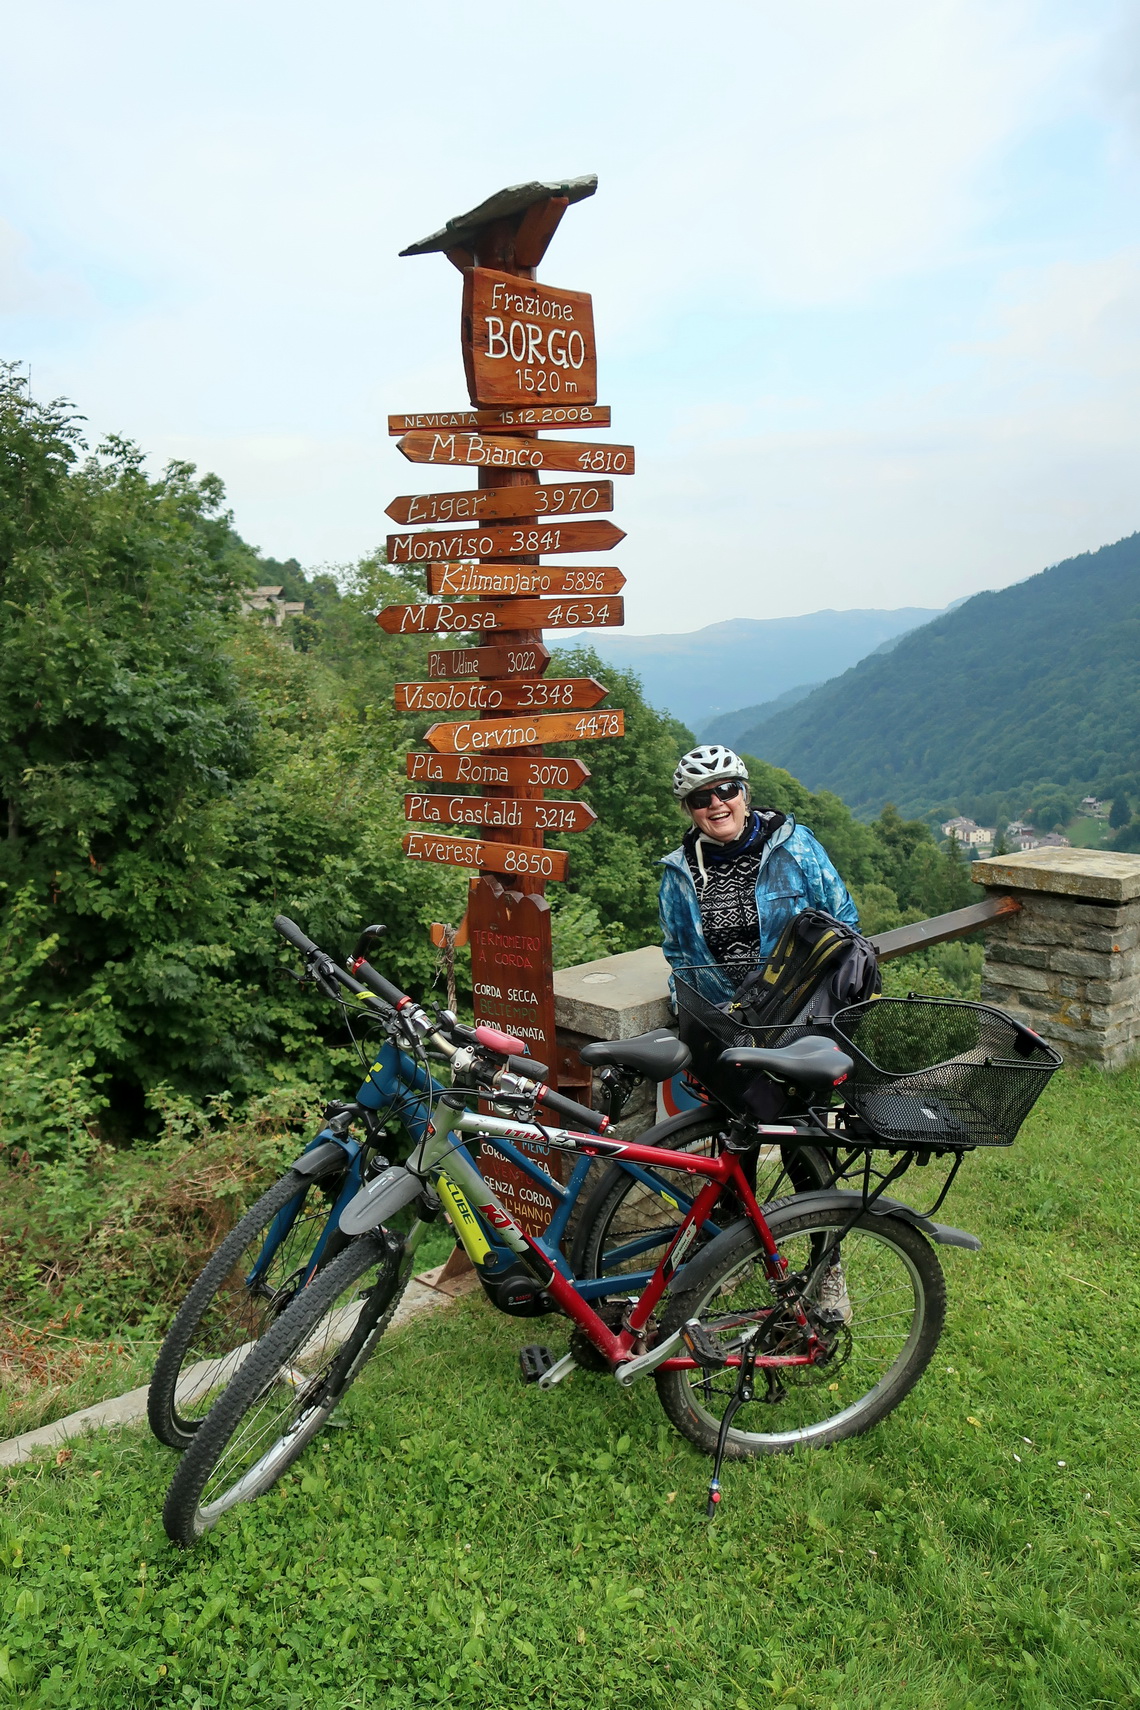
<point x="172" y="774"/>
<point x="745" y="661"/>
<point x="1036" y="684"/>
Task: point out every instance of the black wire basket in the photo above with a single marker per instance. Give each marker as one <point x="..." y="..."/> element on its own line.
<point x="941" y="1072"/>
<point x="702" y="993"/>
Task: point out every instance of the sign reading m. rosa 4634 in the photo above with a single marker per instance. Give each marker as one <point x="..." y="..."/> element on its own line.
<point x="524" y="341"/>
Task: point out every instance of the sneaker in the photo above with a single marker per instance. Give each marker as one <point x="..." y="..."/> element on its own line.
<point x="833" y="1296"/>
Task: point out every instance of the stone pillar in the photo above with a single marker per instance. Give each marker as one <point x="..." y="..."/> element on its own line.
<point x="617" y="997"/>
<point x="1068" y="964"/>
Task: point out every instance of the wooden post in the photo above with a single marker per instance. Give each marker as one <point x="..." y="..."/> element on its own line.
<point x="530" y="360"/>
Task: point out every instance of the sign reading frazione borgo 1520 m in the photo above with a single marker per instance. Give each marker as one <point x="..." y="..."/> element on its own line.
<point x="524" y="342"/>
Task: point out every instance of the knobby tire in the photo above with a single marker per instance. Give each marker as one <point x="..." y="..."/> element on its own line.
<point x="275" y="1406"/>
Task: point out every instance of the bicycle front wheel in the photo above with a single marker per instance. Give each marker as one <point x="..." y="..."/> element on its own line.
<point x="243" y="1288"/>
<point x="888" y="1291"/>
<point x="288" y="1387"/>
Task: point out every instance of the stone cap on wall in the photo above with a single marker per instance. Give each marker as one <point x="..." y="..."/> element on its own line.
<point x="1101" y="875"/>
<point x="617" y="997"/>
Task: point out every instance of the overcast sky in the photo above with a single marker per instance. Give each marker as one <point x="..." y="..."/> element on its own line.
<point x="866" y="277"/>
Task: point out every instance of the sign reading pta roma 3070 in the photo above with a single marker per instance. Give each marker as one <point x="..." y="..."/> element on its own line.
<point x="532" y="371"/>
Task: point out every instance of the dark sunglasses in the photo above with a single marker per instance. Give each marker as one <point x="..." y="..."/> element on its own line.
<point x="725" y="792"/>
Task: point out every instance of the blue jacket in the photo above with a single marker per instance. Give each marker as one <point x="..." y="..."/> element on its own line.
<point x="795" y="873"/>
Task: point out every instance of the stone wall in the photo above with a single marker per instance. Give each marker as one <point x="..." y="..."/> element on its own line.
<point x="1068" y="963"/>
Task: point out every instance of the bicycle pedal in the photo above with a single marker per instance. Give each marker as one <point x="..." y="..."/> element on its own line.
<point x="702" y="1348"/>
<point x="535" y="1361"/>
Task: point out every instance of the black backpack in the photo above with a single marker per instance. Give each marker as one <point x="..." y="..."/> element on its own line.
<point x="817" y="968"/>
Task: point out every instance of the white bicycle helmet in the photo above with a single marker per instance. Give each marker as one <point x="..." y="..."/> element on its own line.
<point x="706" y="765"/>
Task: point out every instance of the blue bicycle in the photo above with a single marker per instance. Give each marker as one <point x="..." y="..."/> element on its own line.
<point x="295" y="1229"/>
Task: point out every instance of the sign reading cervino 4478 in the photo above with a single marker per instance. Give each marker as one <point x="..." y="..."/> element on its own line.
<point x="525" y="341"/>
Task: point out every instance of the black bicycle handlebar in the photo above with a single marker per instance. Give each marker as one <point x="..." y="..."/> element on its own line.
<point x="382" y="987"/>
<point x="292" y="932"/>
<point x="573" y="1111"/>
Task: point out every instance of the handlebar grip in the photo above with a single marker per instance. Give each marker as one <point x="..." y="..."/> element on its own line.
<point x="529" y="1067"/>
<point x="574" y="1112"/>
<point x="290" y="931"/>
<point x="377" y="983"/>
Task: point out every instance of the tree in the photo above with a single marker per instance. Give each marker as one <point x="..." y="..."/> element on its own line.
<point x="173" y="775"/>
<point x="1120" y="812"/>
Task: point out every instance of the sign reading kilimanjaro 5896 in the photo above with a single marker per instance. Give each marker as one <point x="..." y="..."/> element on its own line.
<point x="524" y="341"/>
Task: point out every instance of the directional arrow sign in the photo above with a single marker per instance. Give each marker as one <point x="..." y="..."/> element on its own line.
<point x="503" y="771"/>
<point x="486" y="857"/>
<point x="525" y="343"/>
<point x="525" y="730"/>
<point x="432" y="619"/>
<point x="449" y="546"/>
<point x="503" y="811"/>
<point x="480" y="505"/>
<point x="482" y="451"/>
<point x="527" y="659"/>
<point x="525" y="415"/>
<point x="545" y="694"/>
<point x="454" y="580"/>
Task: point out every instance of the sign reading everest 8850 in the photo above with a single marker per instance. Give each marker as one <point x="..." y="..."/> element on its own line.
<point x="526" y="341"/>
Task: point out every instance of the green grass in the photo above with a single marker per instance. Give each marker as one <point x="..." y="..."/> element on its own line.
<point x="467" y="1542"/>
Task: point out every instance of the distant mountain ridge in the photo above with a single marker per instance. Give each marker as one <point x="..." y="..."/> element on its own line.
<point x="1038" y="681"/>
<point x="747" y="662"/>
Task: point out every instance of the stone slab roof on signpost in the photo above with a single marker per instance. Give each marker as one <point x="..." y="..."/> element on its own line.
<point x="515" y="199"/>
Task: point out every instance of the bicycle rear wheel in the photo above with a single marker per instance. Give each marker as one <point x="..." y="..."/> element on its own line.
<point x="893" y="1307"/>
<point x="287" y="1388"/>
<point x="246" y="1284"/>
<point x="630" y="1218"/>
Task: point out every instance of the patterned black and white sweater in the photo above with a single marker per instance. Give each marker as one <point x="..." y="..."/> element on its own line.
<point x="725" y="876"/>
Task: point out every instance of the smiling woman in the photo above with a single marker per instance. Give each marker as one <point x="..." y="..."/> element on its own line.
<point x="741" y="873"/>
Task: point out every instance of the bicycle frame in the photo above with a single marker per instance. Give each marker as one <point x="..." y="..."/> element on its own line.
<point x="393" y="1077"/>
<point x="440" y="1154"/>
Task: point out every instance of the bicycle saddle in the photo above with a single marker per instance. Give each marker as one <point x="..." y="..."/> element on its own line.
<point x="657" y="1055"/>
<point x="809" y="1062"/>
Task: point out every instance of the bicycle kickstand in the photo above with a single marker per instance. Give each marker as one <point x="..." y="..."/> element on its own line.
<point x="709" y="1357"/>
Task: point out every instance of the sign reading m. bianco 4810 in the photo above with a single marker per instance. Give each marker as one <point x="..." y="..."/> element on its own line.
<point x="523" y="342"/>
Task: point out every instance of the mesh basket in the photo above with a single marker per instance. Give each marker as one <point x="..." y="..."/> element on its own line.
<point x="706" y="1029"/>
<point x="941" y="1072"/>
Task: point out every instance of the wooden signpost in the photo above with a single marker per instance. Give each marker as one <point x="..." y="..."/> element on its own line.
<point x="500" y="811"/>
<point x="524" y="730"/>
<point x="556" y="499"/>
<point x="493" y="451"/>
<point x="528" y="416"/>
<point x="486" y="857"/>
<point x="523" y="582"/>
<point x="532" y="615"/>
<point x="548" y="772"/>
<point x="530" y="357"/>
<point x="521" y="540"/>
<point x="526" y="343"/>
<point x="528" y="659"/>
<point x="528" y="694"/>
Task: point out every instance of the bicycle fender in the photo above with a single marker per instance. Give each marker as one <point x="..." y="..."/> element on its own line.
<point x="835" y="1199"/>
<point x="391" y="1190"/>
<point x="321" y="1160"/>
